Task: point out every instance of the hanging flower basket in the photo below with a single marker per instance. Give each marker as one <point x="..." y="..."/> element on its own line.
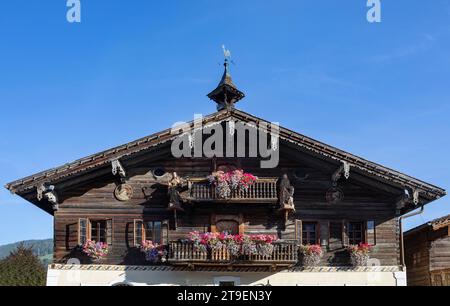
<point x="154" y="253"/>
<point x="311" y="255"/>
<point x="95" y="250"/>
<point x="359" y="254"/>
<point x="227" y="182"/>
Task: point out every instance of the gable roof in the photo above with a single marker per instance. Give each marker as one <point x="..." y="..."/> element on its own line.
<point x="52" y="176"/>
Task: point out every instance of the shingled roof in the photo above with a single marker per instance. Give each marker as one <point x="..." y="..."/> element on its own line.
<point x="65" y="172"/>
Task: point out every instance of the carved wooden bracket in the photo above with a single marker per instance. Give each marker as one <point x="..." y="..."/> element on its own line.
<point x="118" y="169"/>
<point x="344" y="169"/>
<point x="48" y="193"/>
<point x="406" y="198"/>
<point x="416" y="194"/>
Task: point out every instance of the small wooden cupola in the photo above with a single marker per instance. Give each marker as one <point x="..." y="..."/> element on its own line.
<point x="226" y="94"/>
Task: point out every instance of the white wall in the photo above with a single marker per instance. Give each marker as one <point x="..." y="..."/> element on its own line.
<point x="101" y="276"/>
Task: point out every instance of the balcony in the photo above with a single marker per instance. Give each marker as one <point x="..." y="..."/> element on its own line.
<point x="264" y="190"/>
<point x="183" y="253"/>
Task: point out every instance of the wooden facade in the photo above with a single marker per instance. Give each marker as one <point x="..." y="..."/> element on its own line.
<point x="86" y="203"/>
<point x="427" y="254"/>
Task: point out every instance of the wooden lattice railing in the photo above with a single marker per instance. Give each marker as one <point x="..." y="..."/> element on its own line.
<point x="263" y="190"/>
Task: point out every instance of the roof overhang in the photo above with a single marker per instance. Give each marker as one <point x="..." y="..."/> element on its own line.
<point x="149" y="144"/>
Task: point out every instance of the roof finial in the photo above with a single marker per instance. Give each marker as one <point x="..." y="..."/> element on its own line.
<point x="226" y="93"/>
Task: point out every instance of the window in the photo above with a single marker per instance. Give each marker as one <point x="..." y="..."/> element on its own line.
<point x="355" y="233"/>
<point x="309" y="233"/>
<point x="155" y="231"/>
<point x="96" y="230"/>
<point x="227" y="281"/>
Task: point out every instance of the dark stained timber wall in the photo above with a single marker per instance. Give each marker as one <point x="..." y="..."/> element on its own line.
<point x="95" y="200"/>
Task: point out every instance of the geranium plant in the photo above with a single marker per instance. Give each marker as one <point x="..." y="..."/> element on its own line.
<point x="311" y="254"/>
<point x="226" y="182"/>
<point x="95" y="250"/>
<point x="359" y="254"/>
<point x="154" y="252"/>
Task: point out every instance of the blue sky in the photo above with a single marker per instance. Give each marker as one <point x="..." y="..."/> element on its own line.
<point x="380" y="91"/>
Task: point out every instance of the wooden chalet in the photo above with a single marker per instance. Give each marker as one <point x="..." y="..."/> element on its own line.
<point x="427" y="253"/>
<point x="124" y="196"/>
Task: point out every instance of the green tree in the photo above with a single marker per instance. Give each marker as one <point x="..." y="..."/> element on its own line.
<point x="22" y="268"/>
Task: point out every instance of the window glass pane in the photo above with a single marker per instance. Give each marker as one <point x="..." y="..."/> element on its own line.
<point x="83" y="231"/>
<point x="309" y="233"/>
<point x="149" y="231"/>
<point x="138" y="232"/>
<point x="98" y="231"/>
<point x="157" y="231"/>
<point x="355" y="233"/>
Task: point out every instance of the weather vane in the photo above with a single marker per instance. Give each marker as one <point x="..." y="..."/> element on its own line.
<point x="227" y="54"/>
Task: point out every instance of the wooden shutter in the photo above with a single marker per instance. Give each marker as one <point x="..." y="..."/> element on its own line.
<point x="324" y="234"/>
<point x="138" y="232"/>
<point x="371" y="232"/>
<point x="345" y="240"/>
<point x="165" y="232"/>
<point x="109" y="232"/>
<point x="299" y="231"/>
<point x="83" y="225"/>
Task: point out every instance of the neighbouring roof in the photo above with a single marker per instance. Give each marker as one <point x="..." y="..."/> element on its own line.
<point x="79" y="167"/>
<point x="435" y="225"/>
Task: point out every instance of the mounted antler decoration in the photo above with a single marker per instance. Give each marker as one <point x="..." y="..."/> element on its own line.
<point x="286" y="194"/>
<point x="48" y="193"/>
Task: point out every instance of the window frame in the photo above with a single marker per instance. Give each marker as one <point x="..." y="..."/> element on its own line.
<point x="351" y="237"/>
<point x="109" y="230"/>
<point x="316" y="232"/>
<point x="164" y="231"/>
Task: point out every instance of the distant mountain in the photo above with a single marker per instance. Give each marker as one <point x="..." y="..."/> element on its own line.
<point x="42" y="248"/>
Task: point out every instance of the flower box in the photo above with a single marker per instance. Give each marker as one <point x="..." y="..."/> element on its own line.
<point x="359" y="254"/>
<point x="95" y="250"/>
<point x="311" y="255"/>
<point x="236" y="245"/>
<point x="154" y="252"/>
<point x="226" y="182"/>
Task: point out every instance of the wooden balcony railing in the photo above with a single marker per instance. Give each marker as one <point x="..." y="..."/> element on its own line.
<point x="184" y="253"/>
<point x="263" y="190"/>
